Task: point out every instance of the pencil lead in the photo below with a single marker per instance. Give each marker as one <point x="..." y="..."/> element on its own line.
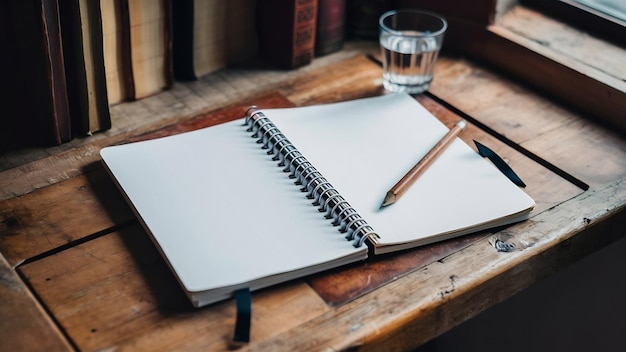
<point x="390" y="198"/>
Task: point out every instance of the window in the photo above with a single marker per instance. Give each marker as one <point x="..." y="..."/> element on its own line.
<point x="604" y="18"/>
<point x="613" y="8"/>
<point x="567" y="50"/>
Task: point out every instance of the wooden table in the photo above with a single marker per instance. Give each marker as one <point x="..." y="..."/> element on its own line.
<point x="77" y="272"/>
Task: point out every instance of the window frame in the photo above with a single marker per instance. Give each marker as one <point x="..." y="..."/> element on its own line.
<point x="583" y="17"/>
<point x="575" y="82"/>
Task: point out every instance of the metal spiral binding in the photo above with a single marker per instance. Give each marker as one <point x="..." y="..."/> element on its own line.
<point x="315" y="185"/>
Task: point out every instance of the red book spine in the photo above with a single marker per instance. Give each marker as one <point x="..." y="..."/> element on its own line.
<point x="330" y="26"/>
<point x="287" y="31"/>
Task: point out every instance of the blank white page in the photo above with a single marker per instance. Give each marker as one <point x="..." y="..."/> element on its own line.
<point x="364" y="147"/>
<point x="223" y="214"/>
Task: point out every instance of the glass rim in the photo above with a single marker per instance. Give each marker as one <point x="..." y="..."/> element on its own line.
<point x="382" y="26"/>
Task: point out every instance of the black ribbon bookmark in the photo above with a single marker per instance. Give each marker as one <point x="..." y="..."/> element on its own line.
<point x="243" y="298"/>
<point x="499" y="163"/>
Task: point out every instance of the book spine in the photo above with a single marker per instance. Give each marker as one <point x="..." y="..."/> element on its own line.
<point x="36" y="110"/>
<point x="116" y="48"/>
<point x="304" y="32"/>
<point x="52" y="30"/>
<point x="81" y="25"/>
<point x="100" y="118"/>
<point x="183" y="40"/>
<point x="151" y="46"/>
<point x="330" y="26"/>
<point x="126" y="57"/>
<point x="168" y="43"/>
<point x="287" y="31"/>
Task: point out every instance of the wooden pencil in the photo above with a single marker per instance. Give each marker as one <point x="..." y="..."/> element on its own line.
<point x="416" y="171"/>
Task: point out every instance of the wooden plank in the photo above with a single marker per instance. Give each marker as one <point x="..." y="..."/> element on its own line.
<point x="523" y="116"/>
<point x="602" y="96"/>
<point x="358" y="77"/>
<point x="504" y="105"/>
<point x="94" y="244"/>
<point x="99" y="284"/>
<point x="116" y="293"/>
<point x="95" y="196"/>
<point x="103" y="283"/>
<point x="593" y="154"/>
<point x="594" y="87"/>
<point x="427" y="302"/>
<point x="59" y="214"/>
<point x="548" y="130"/>
<point x="270" y="100"/>
<point x="569" y="42"/>
<point x="24" y="325"/>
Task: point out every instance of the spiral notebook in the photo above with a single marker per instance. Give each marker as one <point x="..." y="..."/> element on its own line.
<point x="284" y="193"/>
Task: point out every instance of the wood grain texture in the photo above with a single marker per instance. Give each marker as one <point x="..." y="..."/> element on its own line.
<point x="271" y="100"/>
<point x="567" y="41"/>
<point x="354" y="78"/>
<point x="583" y="71"/>
<point x="60" y="214"/>
<point x="116" y="292"/>
<point x="24" y="325"/>
<point x="525" y="117"/>
<point x="98" y="198"/>
<point x="112" y="290"/>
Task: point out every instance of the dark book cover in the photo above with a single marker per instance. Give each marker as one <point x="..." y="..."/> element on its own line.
<point x="35" y="91"/>
<point x="84" y="66"/>
<point x="183" y="39"/>
<point x="330" y="26"/>
<point x="287" y="31"/>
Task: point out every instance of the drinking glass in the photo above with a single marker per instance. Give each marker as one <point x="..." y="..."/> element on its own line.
<point x="410" y="42"/>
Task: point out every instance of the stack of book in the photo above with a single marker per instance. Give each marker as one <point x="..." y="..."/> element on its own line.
<point x="72" y="60"/>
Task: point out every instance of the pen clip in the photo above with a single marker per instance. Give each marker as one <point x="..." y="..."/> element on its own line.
<point x="499" y="163"/>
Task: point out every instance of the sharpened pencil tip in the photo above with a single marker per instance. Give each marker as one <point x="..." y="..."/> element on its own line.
<point x="390" y="198"/>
